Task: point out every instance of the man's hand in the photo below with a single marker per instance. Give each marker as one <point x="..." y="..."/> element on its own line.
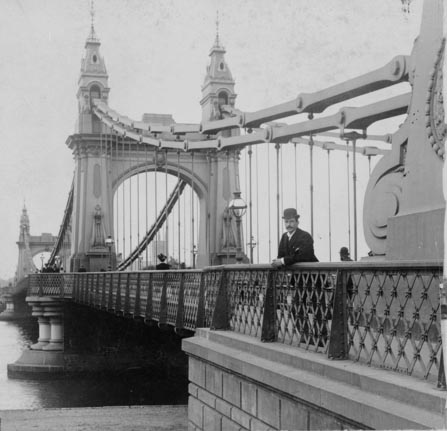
<point x="277" y="263"/>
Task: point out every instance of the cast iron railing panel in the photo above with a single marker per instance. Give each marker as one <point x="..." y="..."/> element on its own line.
<point x="304" y="307"/>
<point x="394" y="319"/>
<point x="247" y="289"/>
<point x="213" y="282"/>
<point x="192" y="284"/>
<point x="384" y="315"/>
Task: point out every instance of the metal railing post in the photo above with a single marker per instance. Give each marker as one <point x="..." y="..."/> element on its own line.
<point x="180" y="303"/>
<point x="163" y="317"/>
<point x="269" y="322"/>
<point x="110" y="298"/>
<point x="338" y="341"/>
<point x="127" y="295"/>
<point x="200" y="318"/>
<point x="149" y="309"/>
<point x="103" y="292"/>
<point x="220" y="318"/>
<point x="118" y="294"/>
<point x="137" y="305"/>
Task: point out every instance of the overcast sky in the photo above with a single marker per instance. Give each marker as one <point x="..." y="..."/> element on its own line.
<point x="156" y="53"/>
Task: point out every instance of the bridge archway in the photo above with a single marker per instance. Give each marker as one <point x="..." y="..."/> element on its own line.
<point x="104" y="162"/>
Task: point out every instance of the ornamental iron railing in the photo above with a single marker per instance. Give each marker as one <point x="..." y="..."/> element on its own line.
<point x="381" y="314"/>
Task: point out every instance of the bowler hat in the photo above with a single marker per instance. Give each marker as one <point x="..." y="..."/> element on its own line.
<point x="290" y="213"/>
<point x="344" y="250"/>
<point x="162" y="257"/>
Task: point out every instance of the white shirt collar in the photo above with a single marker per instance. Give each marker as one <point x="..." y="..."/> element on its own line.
<point x="291" y="234"/>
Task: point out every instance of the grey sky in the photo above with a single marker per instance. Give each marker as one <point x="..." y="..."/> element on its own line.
<point x="156" y="53"/>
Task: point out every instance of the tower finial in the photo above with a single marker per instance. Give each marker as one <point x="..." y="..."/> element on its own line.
<point x="217" y="28"/>
<point x="92" y="17"/>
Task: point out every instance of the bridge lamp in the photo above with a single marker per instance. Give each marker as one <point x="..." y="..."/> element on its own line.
<point x="252" y="244"/>
<point x="42" y="257"/>
<point x="109" y="243"/>
<point x="238" y="207"/>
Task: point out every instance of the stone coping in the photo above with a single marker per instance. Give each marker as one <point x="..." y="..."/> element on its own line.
<point x="378" y="398"/>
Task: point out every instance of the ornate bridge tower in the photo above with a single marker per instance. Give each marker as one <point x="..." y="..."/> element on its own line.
<point x="92" y="200"/>
<point x="217" y="96"/>
<point x="101" y="166"/>
<point x="25" y="264"/>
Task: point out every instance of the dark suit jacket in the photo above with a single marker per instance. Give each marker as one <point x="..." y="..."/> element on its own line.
<point x="300" y="248"/>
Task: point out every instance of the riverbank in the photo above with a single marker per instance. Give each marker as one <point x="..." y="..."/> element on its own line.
<point x="132" y="418"/>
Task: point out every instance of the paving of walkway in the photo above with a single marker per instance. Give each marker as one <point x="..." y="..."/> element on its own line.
<point x="131" y="418"/>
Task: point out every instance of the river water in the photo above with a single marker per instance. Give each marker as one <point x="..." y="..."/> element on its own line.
<point x="122" y="388"/>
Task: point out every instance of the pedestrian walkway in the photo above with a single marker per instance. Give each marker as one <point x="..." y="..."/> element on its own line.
<point x="131" y="418"/>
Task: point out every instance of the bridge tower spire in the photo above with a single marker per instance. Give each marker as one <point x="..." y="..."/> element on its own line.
<point x="218" y="85"/>
<point x="218" y="97"/>
<point x="92" y="83"/>
<point x="25" y="264"/>
<point x="92" y="197"/>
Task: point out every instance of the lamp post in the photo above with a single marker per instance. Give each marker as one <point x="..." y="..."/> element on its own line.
<point x="109" y="244"/>
<point x="57" y="259"/>
<point x="252" y="245"/>
<point x="238" y="207"/>
<point x="194" y="254"/>
<point x="42" y="257"/>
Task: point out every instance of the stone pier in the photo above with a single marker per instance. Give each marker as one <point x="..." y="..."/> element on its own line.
<point x="45" y="356"/>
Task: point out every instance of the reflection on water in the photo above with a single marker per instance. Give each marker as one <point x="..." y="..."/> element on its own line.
<point x="124" y="388"/>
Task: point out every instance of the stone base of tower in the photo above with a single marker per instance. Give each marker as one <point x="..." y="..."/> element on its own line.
<point x="416" y="236"/>
<point x="93" y="261"/>
<point x="37" y="364"/>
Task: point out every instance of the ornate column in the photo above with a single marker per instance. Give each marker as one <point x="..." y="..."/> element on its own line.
<point x="49" y="312"/>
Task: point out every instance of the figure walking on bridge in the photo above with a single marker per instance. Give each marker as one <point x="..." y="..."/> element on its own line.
<point x="296" y="245"/>
<point x="162" y="265"/>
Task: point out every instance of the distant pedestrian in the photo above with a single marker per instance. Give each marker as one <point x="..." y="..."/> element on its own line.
<point x="344" y="255"/>
<point x="162" y="265"/>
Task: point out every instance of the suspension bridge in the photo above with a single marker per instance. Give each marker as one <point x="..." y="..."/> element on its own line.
<point x="151" y="186"/>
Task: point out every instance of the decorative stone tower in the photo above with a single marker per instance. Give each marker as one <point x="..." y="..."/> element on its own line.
<point x="218" y="91"/>
<point x="92" y="201"/>
<point x="25" y="264"/>
<point x="92" y="83"/>
<point x="218" y="86"/>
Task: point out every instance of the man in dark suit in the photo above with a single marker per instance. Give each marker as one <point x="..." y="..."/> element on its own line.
<point x="296" y="245"/>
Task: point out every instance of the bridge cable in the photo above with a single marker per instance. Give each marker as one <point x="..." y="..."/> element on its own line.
<point x="184" y="229"/>
<point x="269" y="202"/>
<point x="147" y="196"/>
<point x="179" y="209"/>
<point x="156" y="203"/>
<point x="296" y="178"/>
<point x="257" y="203"/>
<point x="329" y="201"/>
<point x="227" y="222"/>
<point x="138" y="211"/>
<point x="311" y="150"/>
<point x="354" y="192"/>
<point x="348" y="195"/>
<point x="208" y="215"/>
<point x="124" y="198"/>
<point x="192" y="211"/>
<point x="130" y="193"/>
<point x="281" y="177"/>
<point x="166" y="208"/>
<point x="117" y="194"/>
<point x="278" y="209"/>
<point x="250" y="200"/>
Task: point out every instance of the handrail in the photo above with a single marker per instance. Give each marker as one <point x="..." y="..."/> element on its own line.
<point x="379" y="313"/>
